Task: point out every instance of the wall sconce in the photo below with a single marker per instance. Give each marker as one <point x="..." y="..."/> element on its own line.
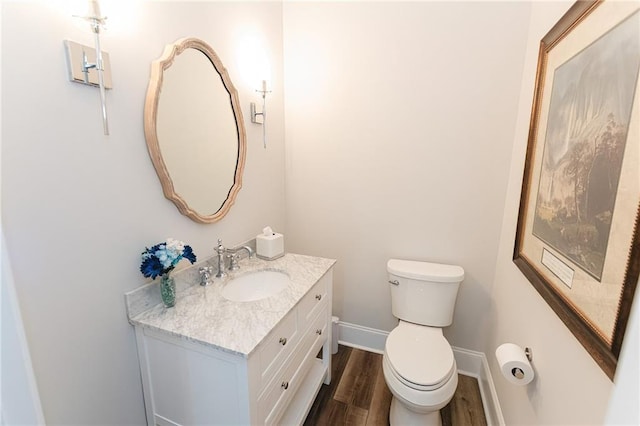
<point x="263" y="114"/>
<point x="81" y="60"/>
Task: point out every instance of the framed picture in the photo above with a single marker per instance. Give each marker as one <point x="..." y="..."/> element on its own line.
<point x="577" y="239"/>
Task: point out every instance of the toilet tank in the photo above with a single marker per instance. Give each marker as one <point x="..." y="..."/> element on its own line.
<point x="423" y="292"/>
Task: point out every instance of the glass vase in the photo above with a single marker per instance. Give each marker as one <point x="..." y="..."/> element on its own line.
<point x="168" y="290"/>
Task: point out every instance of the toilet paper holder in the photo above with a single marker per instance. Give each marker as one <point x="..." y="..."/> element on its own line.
<point x="517" y="372"/>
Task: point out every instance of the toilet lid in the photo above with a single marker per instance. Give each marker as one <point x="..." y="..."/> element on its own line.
<point x="420" y="355"/>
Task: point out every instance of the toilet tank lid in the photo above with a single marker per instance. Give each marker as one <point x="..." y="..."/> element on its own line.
<point x="425" y="271"/>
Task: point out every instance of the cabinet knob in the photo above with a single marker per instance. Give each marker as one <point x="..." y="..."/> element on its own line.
<point x="283" y="341"/>
<point x="318" y="296"/>
<point x="284" y="385"/>
<point x="319" y="332"/>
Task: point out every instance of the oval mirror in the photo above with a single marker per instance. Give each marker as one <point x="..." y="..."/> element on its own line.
<point x="194" y="130"/>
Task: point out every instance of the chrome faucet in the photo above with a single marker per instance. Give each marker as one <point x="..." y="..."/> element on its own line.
<point x="221" y="250"/>
<point x="233" y="266"/>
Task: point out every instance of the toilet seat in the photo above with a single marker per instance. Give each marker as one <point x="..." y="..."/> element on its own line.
<point x="420" y="357"/>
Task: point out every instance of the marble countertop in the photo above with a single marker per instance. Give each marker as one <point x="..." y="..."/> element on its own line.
<point x="203" y="315"/>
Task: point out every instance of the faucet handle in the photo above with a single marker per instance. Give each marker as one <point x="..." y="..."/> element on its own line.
<point x="233" y="262"/>
<point x="205" y="275"/>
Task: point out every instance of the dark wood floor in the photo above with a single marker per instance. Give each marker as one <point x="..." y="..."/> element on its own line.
<point x="358" y="395"/>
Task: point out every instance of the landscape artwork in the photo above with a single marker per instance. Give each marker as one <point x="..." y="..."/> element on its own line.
<point x="589" y="114"/>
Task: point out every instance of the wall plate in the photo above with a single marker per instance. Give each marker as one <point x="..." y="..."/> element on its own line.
<point x="74" y="52"/>
<point x="257" y="117"/>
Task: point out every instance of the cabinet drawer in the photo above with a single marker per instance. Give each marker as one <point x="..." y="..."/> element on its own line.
<point x="315" y="336"/>
<point x="277" y="347"/>
<point x="313" y="301"/>
<point x="276" y="397"/>
<point x="318" y="333"/>
<point x="278" y="393"/>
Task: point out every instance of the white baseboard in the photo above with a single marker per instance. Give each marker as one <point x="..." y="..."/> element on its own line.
<point x="357" y="336"/>
<point x="470" y="363"/>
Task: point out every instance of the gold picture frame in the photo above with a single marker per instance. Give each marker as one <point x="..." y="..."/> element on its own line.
<point x="577" y="239"/>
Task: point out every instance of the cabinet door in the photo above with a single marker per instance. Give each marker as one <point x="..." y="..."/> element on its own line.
<point x="189" y="387"/>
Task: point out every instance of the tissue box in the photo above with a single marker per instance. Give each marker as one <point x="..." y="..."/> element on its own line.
<point x="270" y="247"/>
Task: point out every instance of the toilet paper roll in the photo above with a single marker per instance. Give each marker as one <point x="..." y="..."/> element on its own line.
<point x="514" y="365"/>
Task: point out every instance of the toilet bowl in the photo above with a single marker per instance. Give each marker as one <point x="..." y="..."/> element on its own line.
<point x="421" y="373"/>
<point x="418" y="363"/>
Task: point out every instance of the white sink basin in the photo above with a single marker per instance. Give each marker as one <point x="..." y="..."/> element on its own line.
<point x="255" y="286"/>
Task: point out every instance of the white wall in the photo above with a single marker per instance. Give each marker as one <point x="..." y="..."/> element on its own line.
<point x="78" y="207"/>
<point x="19" y="398"/>
<point x="624" y="405"/>
<point x="570" y="388"/>
<point x="399" y="127"/>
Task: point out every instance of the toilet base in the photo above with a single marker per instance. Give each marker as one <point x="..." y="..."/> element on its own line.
<point x="400" y="415"/>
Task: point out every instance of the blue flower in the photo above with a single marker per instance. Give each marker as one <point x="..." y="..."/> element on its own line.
<point x="163" y="257"/>
<point x="151" y="267"/>
<point x="189" y="254"/>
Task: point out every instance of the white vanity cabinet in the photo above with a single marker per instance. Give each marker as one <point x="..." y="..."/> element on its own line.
<point x="190" y="383"/>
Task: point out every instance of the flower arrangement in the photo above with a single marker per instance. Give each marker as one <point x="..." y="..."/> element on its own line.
<point x="163" y="257"/>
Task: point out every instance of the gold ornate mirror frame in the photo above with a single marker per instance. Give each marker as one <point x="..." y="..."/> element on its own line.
<point x="158" y="67"/>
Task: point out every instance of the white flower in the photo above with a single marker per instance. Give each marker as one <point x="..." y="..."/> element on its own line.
<point x="171" y="252"/>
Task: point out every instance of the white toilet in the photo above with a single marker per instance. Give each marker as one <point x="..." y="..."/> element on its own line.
<point x="418" y="362"/>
